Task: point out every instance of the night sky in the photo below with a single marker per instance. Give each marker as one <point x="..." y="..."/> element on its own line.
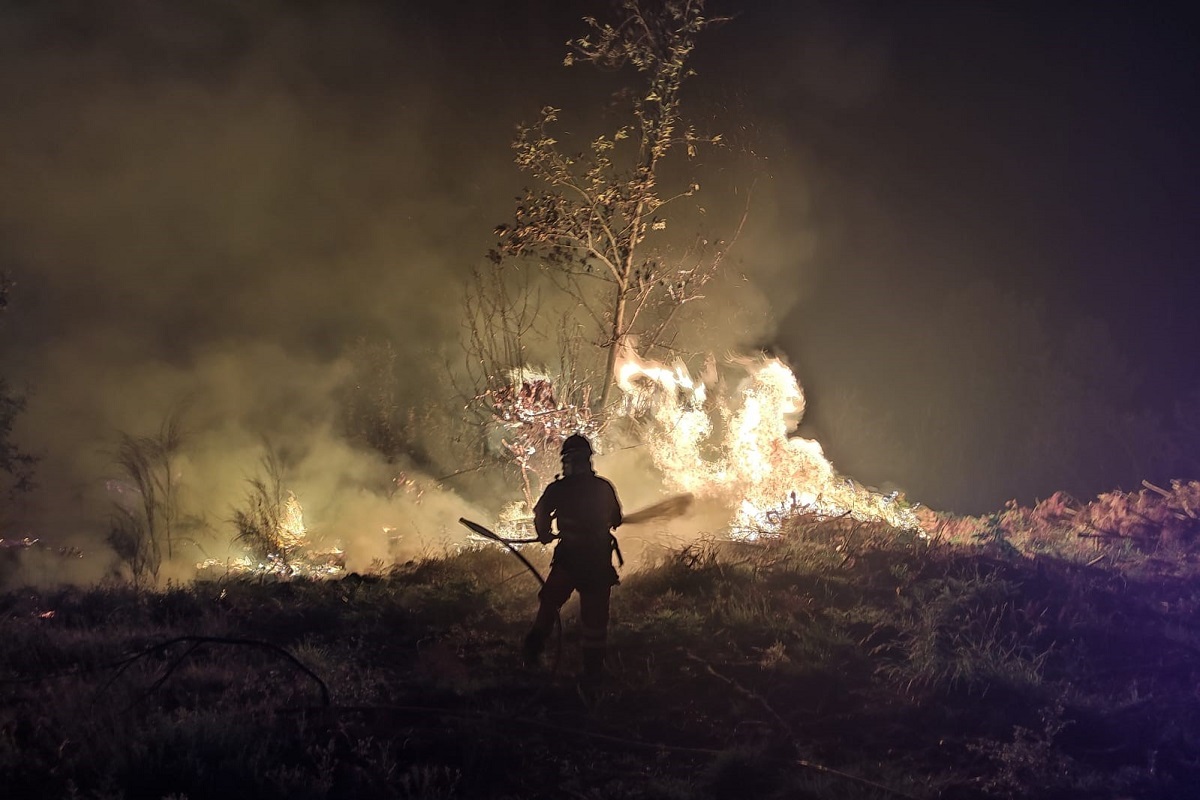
<point x="1024" y="183"/>
<point x="972" y="225"/>
<point x="1005" y="197"/>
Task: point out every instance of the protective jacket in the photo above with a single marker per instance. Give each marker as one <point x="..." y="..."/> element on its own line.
<point x="586" y="509"/>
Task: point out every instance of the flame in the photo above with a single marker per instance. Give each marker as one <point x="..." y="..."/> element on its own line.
<point x="295" y="559"/>
<point x="514" y="522"/>
<point x="292" y="533"/>
<point x="738" y="450"/>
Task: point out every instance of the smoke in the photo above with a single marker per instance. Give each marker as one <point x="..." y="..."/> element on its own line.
<point x="205" y="206"/>
<point x="956" y="283"/>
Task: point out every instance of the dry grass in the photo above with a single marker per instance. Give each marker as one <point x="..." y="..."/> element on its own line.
<point x="934" y="670"/>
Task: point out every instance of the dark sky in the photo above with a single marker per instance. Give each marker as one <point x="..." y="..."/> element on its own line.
<point x="999" y="184"/>
<point x="1042" y="146"/>
<point x="972" y="227"/>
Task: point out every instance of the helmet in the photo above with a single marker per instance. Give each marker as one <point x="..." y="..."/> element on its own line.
<point x="576" y="445"/>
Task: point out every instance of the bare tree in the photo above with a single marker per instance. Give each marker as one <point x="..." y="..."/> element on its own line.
<point x="589" y="221"/>
<point x="523" y="413"/>
<point x="130" y="538"/>
<point x="146" y="518"/>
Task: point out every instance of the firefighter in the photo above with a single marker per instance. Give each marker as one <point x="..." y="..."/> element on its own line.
<point x="586" y="509"/>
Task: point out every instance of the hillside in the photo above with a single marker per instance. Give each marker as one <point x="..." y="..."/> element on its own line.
<point x="838" y="660"/>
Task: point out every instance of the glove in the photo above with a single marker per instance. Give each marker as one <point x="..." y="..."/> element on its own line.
<point x="545" y="538"/>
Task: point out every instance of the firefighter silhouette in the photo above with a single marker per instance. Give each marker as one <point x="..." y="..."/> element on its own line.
<point x="586" y="509"/>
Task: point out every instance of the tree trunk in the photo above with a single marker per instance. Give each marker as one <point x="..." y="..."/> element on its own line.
<point x="614" y="346"/>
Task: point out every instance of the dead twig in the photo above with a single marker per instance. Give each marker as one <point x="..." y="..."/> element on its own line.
<point x="464" y="471"/>
<point x="1157" y="489"/>
<point x="742" y="690"/>
<point x="1187" y="512"/>
<point x="1104" y="533"/>
<point x="196" y="643"/>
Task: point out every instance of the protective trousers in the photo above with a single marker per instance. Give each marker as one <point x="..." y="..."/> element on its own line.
<point x="593" y="616"/>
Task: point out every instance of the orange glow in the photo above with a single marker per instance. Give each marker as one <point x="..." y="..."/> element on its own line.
<point x="735" y="446"/>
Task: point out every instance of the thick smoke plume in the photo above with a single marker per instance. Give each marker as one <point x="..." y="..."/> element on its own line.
<point x="229" y="210"/>
<point x="213" y="210"/>
<point x="204" y="208"/>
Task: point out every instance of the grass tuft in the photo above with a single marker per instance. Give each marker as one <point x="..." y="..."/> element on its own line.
<point x="931" y="669"/>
